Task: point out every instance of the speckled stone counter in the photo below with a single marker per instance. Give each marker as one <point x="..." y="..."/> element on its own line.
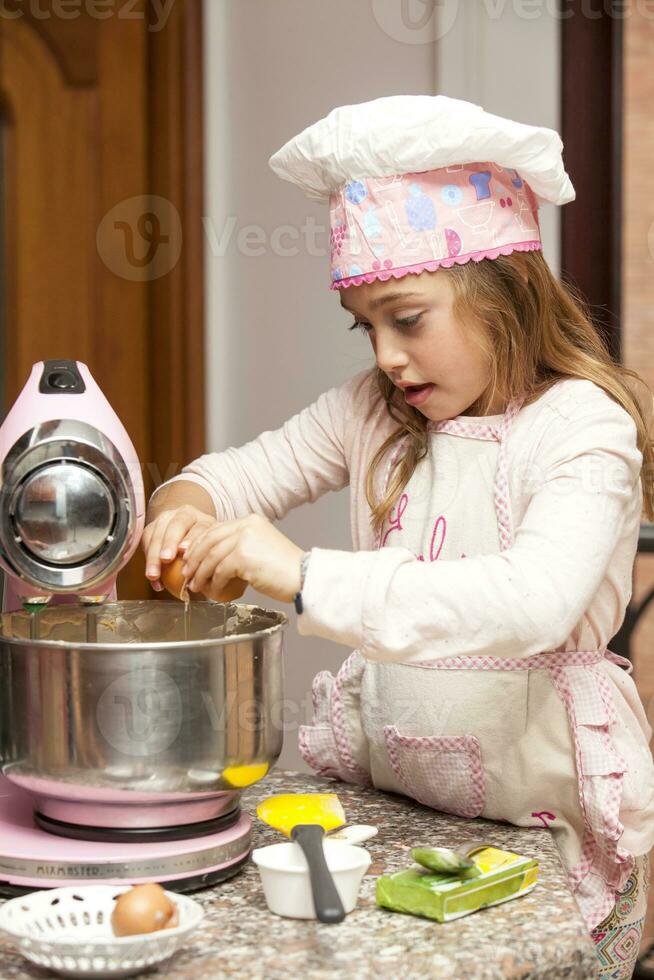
<point x="539" y="936"/>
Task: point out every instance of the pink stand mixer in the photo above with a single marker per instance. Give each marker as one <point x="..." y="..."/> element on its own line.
<point x="72" y="506"/>
<point x="119" y="762"/>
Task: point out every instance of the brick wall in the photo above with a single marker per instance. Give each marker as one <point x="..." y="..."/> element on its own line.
<point x="638" y="286"/>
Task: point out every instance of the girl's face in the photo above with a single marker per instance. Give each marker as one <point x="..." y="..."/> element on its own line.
<point x="416" y="339"/>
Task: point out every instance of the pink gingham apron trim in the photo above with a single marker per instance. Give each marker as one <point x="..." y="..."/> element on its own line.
<point x="575" y="658"/>
<point x="325" y="745"/>
<point x="339" y="724"/>
<point x="615" y="658"/>
<point x="316" y="746"/>
<point x="604" y="866"/>
<point x="467" y="428"/>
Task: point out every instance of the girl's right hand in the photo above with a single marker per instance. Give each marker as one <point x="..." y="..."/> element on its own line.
<point x="162" y="537"/>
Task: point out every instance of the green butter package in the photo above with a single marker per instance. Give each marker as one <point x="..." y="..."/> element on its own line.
<point x="446" y="896"/>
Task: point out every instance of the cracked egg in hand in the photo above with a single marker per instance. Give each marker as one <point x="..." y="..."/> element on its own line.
<point x="172" y="578"/>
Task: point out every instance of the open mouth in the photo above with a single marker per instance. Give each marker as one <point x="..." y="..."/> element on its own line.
<point x="418" y="393"/>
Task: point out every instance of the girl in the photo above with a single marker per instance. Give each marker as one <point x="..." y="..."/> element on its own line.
<point x="495" y="455"/>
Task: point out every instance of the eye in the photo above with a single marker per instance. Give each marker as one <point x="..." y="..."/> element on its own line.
<point x="409" y="321"/>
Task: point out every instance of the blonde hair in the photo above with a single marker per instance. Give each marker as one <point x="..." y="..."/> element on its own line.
<point x="534" y="331"/>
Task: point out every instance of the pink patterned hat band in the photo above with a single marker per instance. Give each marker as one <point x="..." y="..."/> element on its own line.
<point x="391" y="226"/>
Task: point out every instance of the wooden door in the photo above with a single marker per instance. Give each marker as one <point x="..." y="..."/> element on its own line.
<point x="591" y="104"/>
<point x="101" y="122"/>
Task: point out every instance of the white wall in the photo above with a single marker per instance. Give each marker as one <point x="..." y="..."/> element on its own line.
<point x="276" y="335"/>
<point x="505" y="56"/>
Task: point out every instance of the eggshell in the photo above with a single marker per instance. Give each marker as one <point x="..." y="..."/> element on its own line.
<point x="143" y="909"/>
<point x="172" y="578"/>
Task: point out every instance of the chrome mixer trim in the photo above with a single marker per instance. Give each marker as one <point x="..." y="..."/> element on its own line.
<point x="87" y="501"/>
<point x="75" y="443"/>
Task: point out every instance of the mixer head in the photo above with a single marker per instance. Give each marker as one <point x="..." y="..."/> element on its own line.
<point x="71" y="492"/>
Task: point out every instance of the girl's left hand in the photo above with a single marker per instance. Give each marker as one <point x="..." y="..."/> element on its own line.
<point x="249" y="548"/>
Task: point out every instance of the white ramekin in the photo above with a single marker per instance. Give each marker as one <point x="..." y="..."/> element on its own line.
<point x="285" y="876"/>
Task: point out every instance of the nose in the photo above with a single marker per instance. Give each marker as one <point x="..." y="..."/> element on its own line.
<point x="391" y="358"/>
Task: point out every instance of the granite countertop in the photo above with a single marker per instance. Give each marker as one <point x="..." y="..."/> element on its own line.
<point x="541" y="935"/>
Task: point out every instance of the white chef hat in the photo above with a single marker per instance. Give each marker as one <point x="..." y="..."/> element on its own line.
<point x="429" y="178"/>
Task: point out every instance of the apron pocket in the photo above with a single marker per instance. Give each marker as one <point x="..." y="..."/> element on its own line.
<point x="441" y="771"/>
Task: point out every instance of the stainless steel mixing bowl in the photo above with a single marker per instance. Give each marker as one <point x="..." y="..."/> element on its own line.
<point x="130" y="715"/>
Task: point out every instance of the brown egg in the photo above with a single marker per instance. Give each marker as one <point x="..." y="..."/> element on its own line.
<point x="172" y="579"/>
<point x="142" y="909"/>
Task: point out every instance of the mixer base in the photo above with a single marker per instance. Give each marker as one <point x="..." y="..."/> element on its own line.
<point x="137" y="835"/>
<point x="32" y="858"/>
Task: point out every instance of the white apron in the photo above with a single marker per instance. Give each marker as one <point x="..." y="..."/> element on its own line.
<point x="556" y="740"/>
